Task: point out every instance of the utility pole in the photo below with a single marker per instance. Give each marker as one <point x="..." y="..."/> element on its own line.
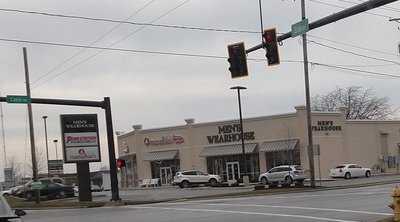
<point x="31" y="129"/>
<point x="308" y="105"/>
<point x="3" y="135"/>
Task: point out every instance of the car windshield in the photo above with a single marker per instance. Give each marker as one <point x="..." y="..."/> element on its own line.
<point x="340" y="166"/>
<point x="298" y="168"/>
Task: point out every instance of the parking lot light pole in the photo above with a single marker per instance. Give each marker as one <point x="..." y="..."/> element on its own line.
<point x="245" y="177"/>
<point x="55" y="145"/>
<point x="47" y="144"/>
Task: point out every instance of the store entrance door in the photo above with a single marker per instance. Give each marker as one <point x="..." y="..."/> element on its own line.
<point x="232" y="172"/>
<point x="165" y="175"/>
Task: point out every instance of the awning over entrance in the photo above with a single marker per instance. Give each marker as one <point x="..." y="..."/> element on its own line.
<point x="161" y="155"/>
<point x="279" y="145"/>
<point x="228" y="150"/>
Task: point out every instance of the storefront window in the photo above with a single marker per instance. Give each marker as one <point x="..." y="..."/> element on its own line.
<point x="288" y="157"/>
<point x="218" y="165"/>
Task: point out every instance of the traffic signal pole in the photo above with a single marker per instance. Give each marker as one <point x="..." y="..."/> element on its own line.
<point x="357" y="9"/>
<point x="365" y="6"/>
<point x="308" y="105"/>
<point x="110" y="131"/>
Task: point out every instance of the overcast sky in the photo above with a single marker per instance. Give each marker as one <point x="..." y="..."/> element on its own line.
<point x="158" y="90"/>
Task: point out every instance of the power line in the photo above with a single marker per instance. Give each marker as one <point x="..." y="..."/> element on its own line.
<point x="357" y="70"/>
<point x="353" y="53"/>
<point x="341" y="65"/>
<point x="191" y="27"/>
<point x="354" y="46"/>
<point x="126" y="22"/>
<point x="110" y="49"/>
<point x="335" y="66"/>
<point x="114" y="43"/>
<point x="190" y="55"/>
<point x="93" y="42"/>
<point x="343" y="7"/>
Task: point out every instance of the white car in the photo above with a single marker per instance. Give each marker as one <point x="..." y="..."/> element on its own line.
<point x="348" y="171"/>
<point x="6" y="193"/>
<point x="186" y="178"/>
<point x="283" y="175"/>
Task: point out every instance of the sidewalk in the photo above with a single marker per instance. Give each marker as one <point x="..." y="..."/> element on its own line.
<point x="168" y="193"/>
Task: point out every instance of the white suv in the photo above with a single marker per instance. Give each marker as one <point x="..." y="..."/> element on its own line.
<point x="285" y="175"/>
<point x="186" y="178"/>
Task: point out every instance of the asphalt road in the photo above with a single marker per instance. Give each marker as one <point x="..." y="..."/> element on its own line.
<point x="169" y="193"/>
<point x="345" y="205"/>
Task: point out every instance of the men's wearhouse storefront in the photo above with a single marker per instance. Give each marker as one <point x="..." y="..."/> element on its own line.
<point x="270" y="141"/>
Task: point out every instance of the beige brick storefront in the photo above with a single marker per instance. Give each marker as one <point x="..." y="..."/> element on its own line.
<point x="270" y="141"/>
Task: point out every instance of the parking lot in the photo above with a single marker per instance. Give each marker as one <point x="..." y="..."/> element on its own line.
<point x="342" y="205"/>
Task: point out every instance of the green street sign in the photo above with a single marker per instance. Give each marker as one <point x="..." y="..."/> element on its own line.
<point x="36" y="185"/>
<point x="18" y="99"/>
<point x="300" y="28"/>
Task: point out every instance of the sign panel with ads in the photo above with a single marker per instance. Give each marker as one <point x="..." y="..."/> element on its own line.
<point x="80" y="135"/>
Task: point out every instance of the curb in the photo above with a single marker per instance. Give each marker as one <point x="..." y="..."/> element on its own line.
<point x="222" y="196"/>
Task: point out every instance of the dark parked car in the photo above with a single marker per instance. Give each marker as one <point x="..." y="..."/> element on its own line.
<point x="6" y="214"/>
<point x="52" y="191"/>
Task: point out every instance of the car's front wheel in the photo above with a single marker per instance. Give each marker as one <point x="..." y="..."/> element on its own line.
<point x="367" y="174"/>
<point x="347" y="176"/>
<point x="264" y="181"/>
<point x="185" y="184"/>
<point x="213" y="182"/>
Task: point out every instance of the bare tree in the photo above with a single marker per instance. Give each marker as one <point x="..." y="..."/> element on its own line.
<point x="361" y="103"/>
<point x="41" y="162"/>
<point x="17" y="170"/>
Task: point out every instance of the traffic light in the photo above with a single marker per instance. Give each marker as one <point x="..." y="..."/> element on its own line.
<point x="120" y="163"/>
<point x="237" y="59"/>
<point x="271" y="46"/>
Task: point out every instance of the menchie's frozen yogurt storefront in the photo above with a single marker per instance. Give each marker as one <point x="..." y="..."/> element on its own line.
<point x="215" y="147"/>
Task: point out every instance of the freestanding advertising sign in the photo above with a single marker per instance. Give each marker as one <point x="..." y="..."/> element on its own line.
<point x="81" y="145"/>
<point x="56" y="167"/>
<point x="80" y="136"/>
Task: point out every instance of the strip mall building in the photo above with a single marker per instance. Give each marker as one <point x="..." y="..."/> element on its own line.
<point x="215" y="147"/>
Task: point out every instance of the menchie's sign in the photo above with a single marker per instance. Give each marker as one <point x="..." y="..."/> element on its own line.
<point x="165" y="140"/>
<point x="230" y="133"/>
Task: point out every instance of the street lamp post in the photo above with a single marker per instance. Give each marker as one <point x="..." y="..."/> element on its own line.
<point x="47" y="144"/>
<point x="245" y="177"/>
<point x="55" y="145"/>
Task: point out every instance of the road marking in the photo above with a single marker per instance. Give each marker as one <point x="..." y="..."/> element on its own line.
<point x="278" y="197"/>
<point x="302" y="208"/>
<point x="333" y="195"/>
<point x="243" y="212"/>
